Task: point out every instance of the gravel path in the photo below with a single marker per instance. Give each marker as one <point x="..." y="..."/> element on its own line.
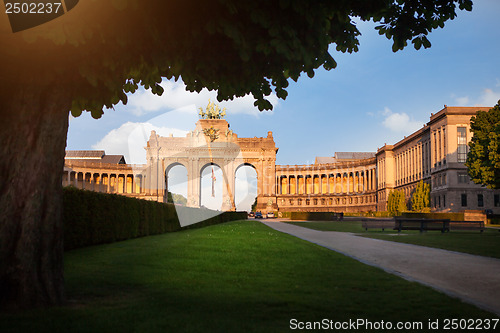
<point x="473" y="279"/>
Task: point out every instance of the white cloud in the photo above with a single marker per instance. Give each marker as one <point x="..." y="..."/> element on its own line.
<point x="400" y="122"/>
<point x="175" y="96"/>
<point x="488" y="97"/>
<point x="131" y="138"/>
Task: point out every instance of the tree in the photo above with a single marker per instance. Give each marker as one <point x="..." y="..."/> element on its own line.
<point x="179" y="199"/>
<point x="420" y="201"/>
<point x="396" y="202"/>
<point x="254" y="205"/>
<point x="170" y="198"/>
<point x="92" y="56"/>
<point x="483" y="159"/>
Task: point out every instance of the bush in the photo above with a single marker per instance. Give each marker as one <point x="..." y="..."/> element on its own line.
<point x="92" y="218"/>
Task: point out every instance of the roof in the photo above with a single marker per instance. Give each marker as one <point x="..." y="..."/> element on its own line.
<point x="353" y="155"/>
<point x="344" y="156"/>
<point x="113" y="159"/>
<point x="94" y="156"/>
<point x="84" y="154"/>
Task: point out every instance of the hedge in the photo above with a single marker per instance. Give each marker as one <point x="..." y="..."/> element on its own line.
<point x="370" y="214"/>
<point x="92" y="218"/>
<point x="450" y="216"/>
<point x="314" y="216"/>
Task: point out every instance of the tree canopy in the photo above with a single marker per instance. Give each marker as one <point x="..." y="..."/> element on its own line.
<point x="483" y="159"/>
<point x="103" y="49"/>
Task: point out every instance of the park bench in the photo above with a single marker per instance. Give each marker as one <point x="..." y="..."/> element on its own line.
<point x="378" y="224"/>
<point x="467" y="225"/>
<point x="422" y="225"/>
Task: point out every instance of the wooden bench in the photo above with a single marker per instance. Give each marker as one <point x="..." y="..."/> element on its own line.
<point x="467" y="225"/>
<point x="378" y="224"/>
<point x="422" y="225"/>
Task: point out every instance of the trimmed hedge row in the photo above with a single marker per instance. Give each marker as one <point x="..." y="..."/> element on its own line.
<point x="314" y="216"/>
<point x="92" y="218"/>
<point x="450" y="216"/>
<point x="370" y="214"/>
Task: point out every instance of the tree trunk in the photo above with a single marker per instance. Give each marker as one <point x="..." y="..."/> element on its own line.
<point x="33" y="129"/>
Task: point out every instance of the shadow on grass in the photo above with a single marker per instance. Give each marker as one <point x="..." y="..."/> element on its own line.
<point x="239" y="276"/>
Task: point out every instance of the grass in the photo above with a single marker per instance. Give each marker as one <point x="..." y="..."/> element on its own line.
<point x="486" y="243"/>
<point x="235" y="277"/>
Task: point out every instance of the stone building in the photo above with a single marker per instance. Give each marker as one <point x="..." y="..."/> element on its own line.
<point x="346" y="182"/>
<point x="435" y="154"/>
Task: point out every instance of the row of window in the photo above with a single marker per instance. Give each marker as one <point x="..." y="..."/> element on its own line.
<point x="439" y="180"/>
<point x="440" y="201"/>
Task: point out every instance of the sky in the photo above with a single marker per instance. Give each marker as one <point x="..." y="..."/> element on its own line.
<point x="373" y="97"/>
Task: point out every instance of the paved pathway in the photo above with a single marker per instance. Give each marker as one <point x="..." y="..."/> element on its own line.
<point x="474" y="279"/>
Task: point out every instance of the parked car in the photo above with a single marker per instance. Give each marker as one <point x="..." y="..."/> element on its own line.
<point x="270" y="215"/>
<point x="258" y="215"/>
<point x="251" y="214"/>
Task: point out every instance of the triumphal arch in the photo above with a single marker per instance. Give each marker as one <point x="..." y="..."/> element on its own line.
<point x="212" y="143"/>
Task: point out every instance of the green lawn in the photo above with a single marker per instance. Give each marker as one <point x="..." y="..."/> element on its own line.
<point x="235" y="277"/>
<point x="486" y="243"/>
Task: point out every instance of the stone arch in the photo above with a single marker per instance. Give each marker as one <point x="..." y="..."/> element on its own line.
<point x="220" y="181"/>
<point x="213" y="142"/>
<point x="169" y="183"/>
<point x="236" y="199"/>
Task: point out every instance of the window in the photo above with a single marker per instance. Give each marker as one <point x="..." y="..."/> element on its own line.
<point x="444" y="201"/>
<point x="480" y="200"/>
<point x="464" y="200"/>
<point x="462" y="144"/>
<point x="444" y="145"/>
<point x="463" y="178"/>
<point x="496" y="200"/>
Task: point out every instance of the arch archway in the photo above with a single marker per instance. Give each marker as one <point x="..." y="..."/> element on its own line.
<point x="245" y="186"/>
<point x="211" y="192"/>
<point x="176" y="182"/>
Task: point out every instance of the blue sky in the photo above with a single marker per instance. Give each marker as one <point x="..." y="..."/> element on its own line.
<point x="373" y="97"/>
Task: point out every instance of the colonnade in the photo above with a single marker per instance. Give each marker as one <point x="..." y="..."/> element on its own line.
<point x="105" y="182"/>
<point x="412" y="162"/>
<point x="330" y="183"/>
<point x="348" y="186"/>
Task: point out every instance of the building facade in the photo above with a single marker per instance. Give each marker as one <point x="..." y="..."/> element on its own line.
<point x="347" y="182"/>
<point x="436" y="154"/>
